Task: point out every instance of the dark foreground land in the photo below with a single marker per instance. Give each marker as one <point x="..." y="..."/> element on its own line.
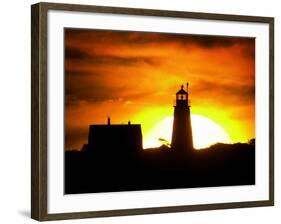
<point x="161" y="168"/>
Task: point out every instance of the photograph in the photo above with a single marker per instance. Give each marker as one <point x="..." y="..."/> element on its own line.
<point x="156" y="111"/>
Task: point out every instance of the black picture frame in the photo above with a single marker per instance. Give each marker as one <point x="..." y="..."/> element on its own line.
<point x="39" y="105"/>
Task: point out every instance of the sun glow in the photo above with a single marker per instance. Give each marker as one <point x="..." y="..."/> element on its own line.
<point x="205" y="133"/>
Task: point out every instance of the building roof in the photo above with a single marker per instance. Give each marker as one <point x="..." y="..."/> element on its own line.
<point x="120" y="130"/>
<point x="114" y="126"/>
<point x="182" y="91"/>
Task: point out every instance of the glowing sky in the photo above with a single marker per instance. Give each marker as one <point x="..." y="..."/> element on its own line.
<point x="135" y="75"/>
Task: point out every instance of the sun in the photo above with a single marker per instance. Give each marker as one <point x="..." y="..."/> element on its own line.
<point x="205" y="133"/>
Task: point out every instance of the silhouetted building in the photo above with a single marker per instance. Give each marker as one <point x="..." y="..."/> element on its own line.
<point x="115" y="139"/>
<point x="182" y="132"/>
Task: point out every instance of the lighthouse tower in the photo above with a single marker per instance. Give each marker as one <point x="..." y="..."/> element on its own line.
<point x="182" y="141"/>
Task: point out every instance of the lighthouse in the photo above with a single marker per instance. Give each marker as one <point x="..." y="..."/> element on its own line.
<point x="182" y="141"/>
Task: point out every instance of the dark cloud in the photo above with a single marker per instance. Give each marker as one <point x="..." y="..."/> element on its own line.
<point x="84" y="56"/>
<point x="80" y="89"/>
<point x="219" y="41"/>
<point x="100" y="37"/>
<point x="241" y="93"/>
<point x="76" y="53"/>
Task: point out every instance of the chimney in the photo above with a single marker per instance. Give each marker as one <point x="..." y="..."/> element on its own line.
<point x="108" y="120"/>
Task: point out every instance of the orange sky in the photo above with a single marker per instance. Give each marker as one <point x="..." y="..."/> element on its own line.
<point x="135" y="75"/>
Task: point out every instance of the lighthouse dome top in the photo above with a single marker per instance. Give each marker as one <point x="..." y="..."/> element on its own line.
<point x="181" y="91"/>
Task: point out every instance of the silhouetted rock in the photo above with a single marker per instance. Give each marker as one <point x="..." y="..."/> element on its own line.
<point x="159" y="168"/>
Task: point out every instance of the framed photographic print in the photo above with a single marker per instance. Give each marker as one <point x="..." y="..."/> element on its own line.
<point x="138" y="111"/>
